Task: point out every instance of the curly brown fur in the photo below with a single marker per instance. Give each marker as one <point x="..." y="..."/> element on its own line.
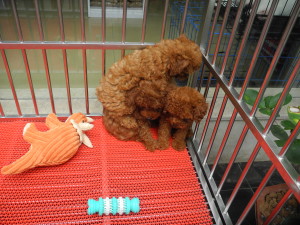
<point x="155" y="64"/>
<point x="149" y="105"/>
<point x="183" y="106"/>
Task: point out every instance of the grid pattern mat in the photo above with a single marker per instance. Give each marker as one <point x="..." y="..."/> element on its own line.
<point x="165" y="182"/>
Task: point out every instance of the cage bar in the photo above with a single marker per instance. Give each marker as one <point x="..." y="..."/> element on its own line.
<point x="212" y="30"/>
<point x="163" y="27"/>
<point x="1" y="110"/>
<point x="64" y="53"/>
<point x="11" y="82"/>
<point x="103" y="32"/>
<point x="144" y="20"/>
<point x="124" y="25"/>
<point x="233" y="157"/>
<point x="44" y="53"/>
<point x="73" y="45"/>
<point x="86" y="91"/>
<point x="184" y="17"/>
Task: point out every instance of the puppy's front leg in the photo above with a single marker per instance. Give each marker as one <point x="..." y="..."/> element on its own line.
<point x="164" y="133"/>
<point x="179" y="139"/>
<point x="145" y="135"/>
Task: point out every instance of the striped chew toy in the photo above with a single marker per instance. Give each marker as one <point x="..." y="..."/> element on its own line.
<point x="113" y="206"/>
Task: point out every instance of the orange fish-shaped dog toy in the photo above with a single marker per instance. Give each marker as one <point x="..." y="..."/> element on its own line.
<point x="52" y="147"/>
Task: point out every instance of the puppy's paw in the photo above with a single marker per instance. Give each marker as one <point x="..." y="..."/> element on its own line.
<point x="152" y="146"/>
<point x="178" y="145"/>
<point x="129" y="122"/>
<point x="162" y="145"/>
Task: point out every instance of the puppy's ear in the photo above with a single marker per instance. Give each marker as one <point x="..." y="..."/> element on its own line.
<point x="200" y="111"/>
<point x="183" y="38"/>
<point x="178" y="64"/>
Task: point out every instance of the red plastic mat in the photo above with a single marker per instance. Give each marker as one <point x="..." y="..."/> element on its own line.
<point x="165" y="182"/>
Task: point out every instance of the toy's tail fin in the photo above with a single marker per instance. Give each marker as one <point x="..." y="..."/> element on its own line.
<point x="22" y="164"/>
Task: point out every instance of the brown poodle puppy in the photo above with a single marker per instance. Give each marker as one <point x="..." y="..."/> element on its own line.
<point x="183" y="106"/>
<point x="156" y="64"/>
<point x="149" y="103"/>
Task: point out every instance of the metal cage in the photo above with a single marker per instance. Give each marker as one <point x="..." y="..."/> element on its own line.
<point x="246" y="44"/>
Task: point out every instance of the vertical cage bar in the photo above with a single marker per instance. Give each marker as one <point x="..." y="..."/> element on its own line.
<point x="268" y="174"/>
<point x="232" y="35"/>
<point x="224" y="140"/>
<point x="64" y="53"/>
<point x="144" y="20"/>
<point x="211" y="109"/>
<point x="124" y="25"/>
<point x="212" y="30"/>
<point x="207" y="85"/>
<point x="244" y="40"/>
<point x="259" y="45"/>
<point x="222" y="30"/>
<point x="103" y="33"/>
<point x="11" y="82"/>
<point x="206" y="25"/>
<point x="276" y="210"/>
<point x="233" y="157"/>
<point x="162" y="36"/>
<point x="184" y="17"/>
<point x="84" y="58"/>
<point x="1" y="110"/>
<point x="242" y="176"/>
<point x="282" y="97"/>
<point x="201" y="77"/>
<point x="276" y="56"/>
<point x="25" y="59"/>
<point x="44" y="53"/>
<point x="213" y="135"/>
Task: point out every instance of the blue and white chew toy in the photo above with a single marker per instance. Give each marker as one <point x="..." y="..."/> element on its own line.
<point x="113" y="206"/>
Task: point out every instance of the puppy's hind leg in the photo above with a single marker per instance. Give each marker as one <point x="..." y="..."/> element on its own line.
<point x="179" y="139"/>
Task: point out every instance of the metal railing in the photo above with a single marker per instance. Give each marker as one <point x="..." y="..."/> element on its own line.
<point x="202" y="144"/>
<point x="261" y="132"/>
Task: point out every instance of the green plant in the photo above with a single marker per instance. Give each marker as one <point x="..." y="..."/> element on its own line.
<point x="266" y="106"/>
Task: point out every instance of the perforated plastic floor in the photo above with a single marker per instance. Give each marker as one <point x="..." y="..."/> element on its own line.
<point x="165" y="182"/>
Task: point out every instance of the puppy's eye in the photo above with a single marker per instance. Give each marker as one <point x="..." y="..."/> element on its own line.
<point x="186" y="120"/>
<point x="82" y="121"/>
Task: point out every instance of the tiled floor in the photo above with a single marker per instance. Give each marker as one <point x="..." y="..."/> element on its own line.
<point x="248" y="187"/>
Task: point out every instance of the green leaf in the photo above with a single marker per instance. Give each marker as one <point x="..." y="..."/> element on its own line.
<point x="288" y="99"/>
<point x="293" y="153"/>
<point x="262" y="104"/>
<point x="250" y="96"/>
<point x="266" y="111"/>
<point x="287" y="124"/>
<point x="274" y="100"/>
<point x="279" y="132"/>
<point x="267" y="101"/>
<point x="280" y="143"/>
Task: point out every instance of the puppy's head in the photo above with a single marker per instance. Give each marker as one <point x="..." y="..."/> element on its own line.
<point x="149" y="98"/>
<point x="185" y="57"/>
<point x="183" y="106"/>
